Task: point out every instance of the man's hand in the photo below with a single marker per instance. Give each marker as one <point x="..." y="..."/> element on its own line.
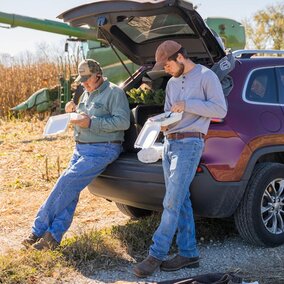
<point x="83" y="122"/>
<point x="164" y="128"/>
<point x="178" y="107"/>
<point x="70" y="107"/>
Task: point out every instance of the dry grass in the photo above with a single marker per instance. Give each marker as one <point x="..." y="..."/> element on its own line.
<point x="100" y="236"/>
<point x="24" y="182"/>
<point x="29" y="167"/>
<point x="85" y="253"/>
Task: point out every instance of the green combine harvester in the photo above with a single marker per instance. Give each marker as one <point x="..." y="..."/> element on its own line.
<point x="230" y="31"/>
<point x="115" y="65"/>
<point x="110" y="59"/>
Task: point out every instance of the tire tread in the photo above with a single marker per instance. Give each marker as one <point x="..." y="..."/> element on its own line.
<point x="133" y="212"/>
<point x="244" y="213"/>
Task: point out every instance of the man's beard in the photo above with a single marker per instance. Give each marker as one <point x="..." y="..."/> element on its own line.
<point x="180" y="70"/>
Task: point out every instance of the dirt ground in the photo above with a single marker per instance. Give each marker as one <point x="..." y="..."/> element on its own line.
<point x="29" y="167"/>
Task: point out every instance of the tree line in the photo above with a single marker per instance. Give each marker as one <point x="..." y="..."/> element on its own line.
<point x="265" y="30"/>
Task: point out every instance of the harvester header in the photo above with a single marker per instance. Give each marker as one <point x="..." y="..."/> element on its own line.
<point x="47" y="25"/>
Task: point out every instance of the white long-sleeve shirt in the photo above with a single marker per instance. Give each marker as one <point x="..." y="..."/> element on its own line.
<point x="204" y="99"/>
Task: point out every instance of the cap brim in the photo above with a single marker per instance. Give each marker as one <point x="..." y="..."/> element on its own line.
<point x="82" y="78"/>
<point x="159" y="66"/>
<point x="155" y="74"/>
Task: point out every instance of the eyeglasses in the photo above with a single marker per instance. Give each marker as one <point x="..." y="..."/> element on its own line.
<point x="95" y="75"/>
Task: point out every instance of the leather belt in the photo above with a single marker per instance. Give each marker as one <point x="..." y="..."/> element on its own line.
<point x="181" y="135"/>
<point x="108" y="142"/>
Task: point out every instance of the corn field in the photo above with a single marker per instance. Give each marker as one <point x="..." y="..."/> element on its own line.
<point x="19" y="81"/>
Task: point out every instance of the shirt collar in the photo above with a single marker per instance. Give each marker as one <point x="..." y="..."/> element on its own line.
<point x="192" y="71"/>
<point x="101" y="88"/>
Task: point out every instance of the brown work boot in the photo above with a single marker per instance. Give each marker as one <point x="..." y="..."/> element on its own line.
<point x="179" y="262"/>
<point x="30" y="240"/>
<point x="46" y="242"/>
<point x="147" y="266"/>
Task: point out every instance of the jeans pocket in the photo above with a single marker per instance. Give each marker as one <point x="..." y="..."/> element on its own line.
<point x="113" y="151"/>
<point x="187" y="145"/>
<point x="185" y="156"/>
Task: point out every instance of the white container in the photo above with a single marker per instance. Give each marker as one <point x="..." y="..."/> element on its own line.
<point x="152" y="128"/>
<point x="148" y="135"/>
<point x="58" y="123"/>
<point x="75" y="115"/>
<point x="152" y="154"/>
<point x="166" y="118"/>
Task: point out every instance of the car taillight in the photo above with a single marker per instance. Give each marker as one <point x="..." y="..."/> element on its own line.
<point x="199" y="170"/>
<point x="217" y="120"/>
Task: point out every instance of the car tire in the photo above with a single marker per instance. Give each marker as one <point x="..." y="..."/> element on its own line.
<point x="133" y="212"/>
<point x="259" y="217"/>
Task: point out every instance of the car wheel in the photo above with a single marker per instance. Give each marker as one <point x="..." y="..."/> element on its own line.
<point x="133" y="212"/>
<point x="260" y="215"/>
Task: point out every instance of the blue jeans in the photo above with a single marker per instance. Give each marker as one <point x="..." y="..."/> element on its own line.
<point x="180" y="161"/>
<point x="88" y="161"/>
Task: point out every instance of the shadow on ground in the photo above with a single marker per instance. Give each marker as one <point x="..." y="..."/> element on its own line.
<point x="111" y="257"/>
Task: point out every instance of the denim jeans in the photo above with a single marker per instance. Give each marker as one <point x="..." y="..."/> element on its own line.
<point x="87" y="162"/>
<point x="180" y="161"/>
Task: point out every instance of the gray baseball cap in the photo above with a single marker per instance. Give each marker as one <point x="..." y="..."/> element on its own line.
<point x="87" y="68"/>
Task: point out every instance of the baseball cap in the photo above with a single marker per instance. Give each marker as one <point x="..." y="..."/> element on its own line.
<point x="164" y="51"/>
<point x="87" y="68"/>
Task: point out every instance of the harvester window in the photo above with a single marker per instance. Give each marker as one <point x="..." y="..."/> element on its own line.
<point x="144" y="28"/>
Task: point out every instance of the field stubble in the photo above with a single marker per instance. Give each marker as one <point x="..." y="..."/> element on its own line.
<point x="29" y="167"/>
<point x="102" y="244"/>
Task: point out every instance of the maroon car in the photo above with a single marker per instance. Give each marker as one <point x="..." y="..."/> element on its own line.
<point x="241" y="173"/>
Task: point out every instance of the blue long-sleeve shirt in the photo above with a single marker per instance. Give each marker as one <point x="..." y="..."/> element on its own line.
<point x="108" y="109"/>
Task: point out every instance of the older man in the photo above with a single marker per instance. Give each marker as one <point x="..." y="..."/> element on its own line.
<point x="98" y="135"/>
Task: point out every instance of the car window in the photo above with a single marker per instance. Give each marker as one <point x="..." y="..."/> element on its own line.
<point x="281" y="83"/>
<point x="262" y="86"/>
<point x="140" y="29"/>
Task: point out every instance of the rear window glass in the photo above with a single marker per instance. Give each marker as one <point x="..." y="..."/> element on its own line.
<point x="144" y="28"/>
<point x="262" y="86"/>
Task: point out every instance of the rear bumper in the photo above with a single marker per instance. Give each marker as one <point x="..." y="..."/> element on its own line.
<point x="133" y="183"/>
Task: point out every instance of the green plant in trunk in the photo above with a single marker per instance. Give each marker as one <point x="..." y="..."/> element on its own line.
<point x="147" y="96"/>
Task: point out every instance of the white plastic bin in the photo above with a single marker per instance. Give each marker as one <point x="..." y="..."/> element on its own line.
<point x="58" y="123"/>
<point x="152" y="128"/>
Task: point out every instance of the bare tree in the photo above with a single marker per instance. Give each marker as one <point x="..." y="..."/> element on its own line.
<point x="6" y="59"/>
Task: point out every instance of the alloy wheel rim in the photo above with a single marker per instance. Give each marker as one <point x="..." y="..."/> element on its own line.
<point x="272" y="207"/>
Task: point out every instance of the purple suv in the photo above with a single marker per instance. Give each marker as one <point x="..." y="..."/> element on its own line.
<point x="241" y="173"/>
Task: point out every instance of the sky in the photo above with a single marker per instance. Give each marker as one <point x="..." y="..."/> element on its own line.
<point x="17" y="40"/>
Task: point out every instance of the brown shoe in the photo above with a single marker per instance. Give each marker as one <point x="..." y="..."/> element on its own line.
<point x="179" y="262"/>
<point x="30" y="240"/>
<point x="46" y="242"/>
<point x="147" y="266"/>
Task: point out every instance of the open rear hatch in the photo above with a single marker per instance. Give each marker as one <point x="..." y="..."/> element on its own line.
<point x="136" y="28"/>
